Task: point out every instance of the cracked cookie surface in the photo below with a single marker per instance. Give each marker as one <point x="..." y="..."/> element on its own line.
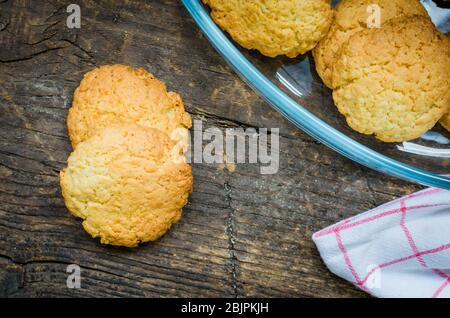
<point x="274" y="27"/>
<point x="117" y="94"/>
<point x="351" y="16"/>
<point x="128" y="183"/>
<point x="393" y="82"/>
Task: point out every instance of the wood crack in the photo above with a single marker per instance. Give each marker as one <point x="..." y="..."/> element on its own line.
<point x="34" y="55"/>
<point x="231" y="232"/>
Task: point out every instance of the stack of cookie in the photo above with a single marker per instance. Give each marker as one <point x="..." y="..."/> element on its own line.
<point x="127" y="177"/>
<point x="390" y="80"/>
<point x="384" y="59"/>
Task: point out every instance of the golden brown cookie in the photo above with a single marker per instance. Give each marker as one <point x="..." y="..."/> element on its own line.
<point x="128" y="183"/>
<point x="445" y="121"/>
<point x="284" y="27"/>
<point x="116" y="94"/>
<point x="393" y="82"/>
<point x="352" y="16"/>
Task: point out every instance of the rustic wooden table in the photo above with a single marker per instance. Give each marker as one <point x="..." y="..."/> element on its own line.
<point x="242" y="234"/>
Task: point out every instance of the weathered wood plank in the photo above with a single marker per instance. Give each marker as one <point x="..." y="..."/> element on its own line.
<point x="242" y="234"/>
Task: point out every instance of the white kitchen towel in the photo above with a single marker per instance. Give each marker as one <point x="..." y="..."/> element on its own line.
<point x="400" y="249"/>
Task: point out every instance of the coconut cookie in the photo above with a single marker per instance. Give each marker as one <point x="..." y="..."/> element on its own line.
<point x="352" y="16"/>
<point x="274" y="27"/>
<point x="128" y="183"/>
<point x="116" y="94"/>
<point x="393" y="82"/>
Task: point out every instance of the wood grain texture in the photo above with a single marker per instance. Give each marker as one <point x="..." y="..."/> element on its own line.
<point x="242" y="234"/>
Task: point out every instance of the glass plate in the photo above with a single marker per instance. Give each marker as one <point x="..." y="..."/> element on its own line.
<point x="293" y="88"/>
